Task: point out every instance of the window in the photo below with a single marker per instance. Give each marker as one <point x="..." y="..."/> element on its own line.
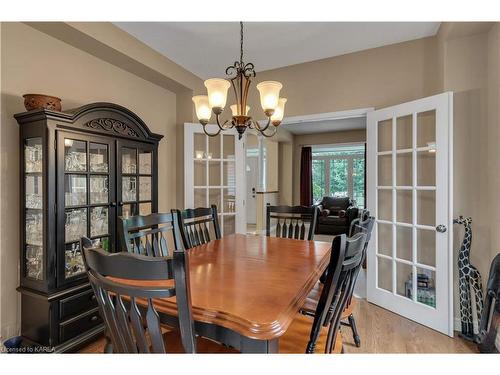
<point x="339" y="171"/>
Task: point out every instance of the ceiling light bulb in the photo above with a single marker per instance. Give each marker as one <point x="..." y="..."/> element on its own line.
<point x="203" y="111"/>
<point x="277" y="116"/>
<point x="217" y="92"/>
<point x="269" y="94"/>
<point x="235" y="109"/>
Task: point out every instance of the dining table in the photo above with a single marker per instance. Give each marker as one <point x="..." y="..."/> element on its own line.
<point x="247" y="289"/>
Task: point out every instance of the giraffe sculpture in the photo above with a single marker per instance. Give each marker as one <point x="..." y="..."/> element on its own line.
<point x="468" y="276"/>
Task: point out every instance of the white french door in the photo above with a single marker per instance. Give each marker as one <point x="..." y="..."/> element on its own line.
<point x="409" y="176"/>
<point x="214" y="173"/>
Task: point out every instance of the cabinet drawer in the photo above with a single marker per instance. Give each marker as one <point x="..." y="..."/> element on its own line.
<point x="79" y="324"/>
<point x="77" y="304"/>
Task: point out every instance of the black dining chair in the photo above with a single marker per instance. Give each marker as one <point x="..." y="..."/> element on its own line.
<point x="150" y="235"/>
<point x="346" y="256"/>
<point x="195" y="228"/>
<point x="291" y="221"/>
<point x="359" y="226"/>
<point x="133" y="327"/>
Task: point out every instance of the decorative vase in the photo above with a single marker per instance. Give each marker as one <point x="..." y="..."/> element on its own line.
<point x="37" y="101"/>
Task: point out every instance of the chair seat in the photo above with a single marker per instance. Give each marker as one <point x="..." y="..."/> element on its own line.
<point x="312" y="299"/>
<point x="296" y="337"/>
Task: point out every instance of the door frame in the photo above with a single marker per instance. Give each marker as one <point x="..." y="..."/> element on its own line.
<point x="240" y="158"/>
<point x="371" y="142"/>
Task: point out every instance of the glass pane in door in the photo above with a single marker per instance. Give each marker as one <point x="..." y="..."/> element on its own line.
<point x="99" y="221"/>
<point x="129" y="160"/>
<point x="214" y="148"/>
<point x="404" y="132"/>
<point x="229" y="199"/>
<point x="99" y="189"/>
<point x="33" y="191"/>
<point x="384" y="170"/>
<point x="229" y="224"/>
<point x="404" y="243"/>
<point x="214" y="173"/>
<point x="426" y="168"/>
<point x="385" y="204"/>
<point x="426" y="129"/>
<point x="384" y="273"/>
<point x="75" y="155"/>
<point x="200" y="172"/>
<point x="404" y="169"/>
<point x="384" y="135"/>
<point x="228" y="147"/>
<point x="73" y="260"/>
<point x="98" y="157"/>
<point x="75" y="224"/>
<point x="426" y="247"/>
<point x="384" y="239"/>
<point x="200" y="197"/>
<point x="426" y="207"/>
<point x="200" y="146"/>
<point x="426" y="291"/>
<point x="145" y="188"/>
<point x="145" y="161"/>
<point x="214" y="197"/>
<point x="404" y="274"/>
<point x="75" y="190"/>
<point x="129" y="189"/>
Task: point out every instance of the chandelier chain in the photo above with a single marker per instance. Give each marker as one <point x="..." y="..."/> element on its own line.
<point x="241" y="42"/>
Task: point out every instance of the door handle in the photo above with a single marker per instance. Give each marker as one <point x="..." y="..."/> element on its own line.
<point x="120" y="204"/>
<point x="112" y="204"/>
<point x="441" y="228"/>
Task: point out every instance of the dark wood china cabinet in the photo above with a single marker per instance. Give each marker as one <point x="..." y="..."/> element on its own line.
<point x="80" y="170"/>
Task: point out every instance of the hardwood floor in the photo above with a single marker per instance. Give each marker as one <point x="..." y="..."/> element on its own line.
<point x="381" y="331"/>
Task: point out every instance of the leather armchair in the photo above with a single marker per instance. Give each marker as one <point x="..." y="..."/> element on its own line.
<point x="335" y="215"/>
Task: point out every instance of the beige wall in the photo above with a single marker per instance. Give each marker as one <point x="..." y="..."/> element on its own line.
<point x="373" y="78"/>
<point x="492" y="163"/>
<point x="349" y="136"/>
<point x="471" y="65"/>
<point x="35" y="62"/>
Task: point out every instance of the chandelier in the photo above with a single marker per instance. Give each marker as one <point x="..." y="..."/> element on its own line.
<point x="240" y="75"/>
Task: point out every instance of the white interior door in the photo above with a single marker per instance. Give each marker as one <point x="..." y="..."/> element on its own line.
<point x="252" y="182"/>
<point x="409" y="176"/>
<point x="214" y="173"/>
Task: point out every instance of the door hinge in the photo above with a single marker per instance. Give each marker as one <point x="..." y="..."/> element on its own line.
<point x="55" y="144"/>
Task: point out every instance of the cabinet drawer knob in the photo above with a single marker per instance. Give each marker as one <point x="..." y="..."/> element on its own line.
<point x="94" y="318"/>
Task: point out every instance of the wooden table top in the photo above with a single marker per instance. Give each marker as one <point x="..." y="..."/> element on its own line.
<point x="254" y="285"/>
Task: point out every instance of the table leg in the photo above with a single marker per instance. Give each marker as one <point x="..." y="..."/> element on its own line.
<point x="259" y="346"/>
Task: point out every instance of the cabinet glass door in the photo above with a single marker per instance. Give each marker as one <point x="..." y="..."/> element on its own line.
<point x="85" y="175"/>
<point x="33" y="209"/>
<point x="135" y="179"/>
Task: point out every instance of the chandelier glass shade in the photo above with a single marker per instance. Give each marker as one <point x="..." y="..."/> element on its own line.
<point x="240" y="75"/>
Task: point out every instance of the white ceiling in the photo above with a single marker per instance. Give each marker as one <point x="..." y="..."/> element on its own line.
<point x="325" y="126"/>
<point x="207" y="48"/>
